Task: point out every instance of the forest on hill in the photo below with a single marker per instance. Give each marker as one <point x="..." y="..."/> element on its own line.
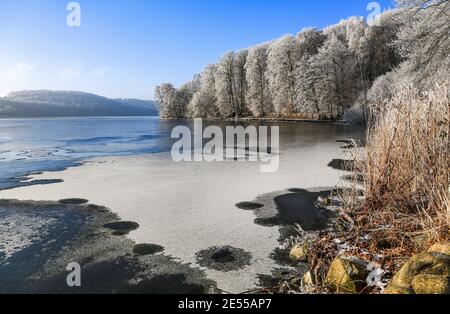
<point x="44" y="103"/>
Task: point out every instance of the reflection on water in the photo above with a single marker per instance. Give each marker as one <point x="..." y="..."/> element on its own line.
<point x="34" y="145"/>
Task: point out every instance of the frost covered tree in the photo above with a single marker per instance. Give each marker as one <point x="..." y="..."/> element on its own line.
<point x="240" y="79"/>
<point x="355" y="29"/>
<point x="193" y="85"/>
<point x="376" y="50"/>
<point x="173" y="102"/>
<point x="226" y="86"/>
<point x="382" y="88"/>
<point x="182" y="99"/>
<point x="258" y="97"/>
<point x="419" y="33"/>
<point x="307" y="100"/>
<point x="335" y="73"/>
<point x="309" y="41"/>
<point x="204" y="101"/>
<point x="321" y="73"/>
<point x="283" y="57"/>
<point x="165" y="95"/>
<point x="231" y="84"/>
<point x="424" y="41"/>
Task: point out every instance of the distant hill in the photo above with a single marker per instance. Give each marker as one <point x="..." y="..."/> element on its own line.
<point x="44" y="103"/>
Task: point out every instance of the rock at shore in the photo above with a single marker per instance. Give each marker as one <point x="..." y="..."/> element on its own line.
<point x="443" y="248"/>
<point x="391" y="289"/>
<point x="347" y="275"/>
<point x="431" y="284"/>
<point x="425" y="273"/>
<point x="299" y="253"/>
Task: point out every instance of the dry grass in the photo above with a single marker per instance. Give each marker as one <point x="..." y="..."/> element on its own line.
<point x="405" y="166"/>
<point x="405" y="172"/>
<point x="405" y="169"/>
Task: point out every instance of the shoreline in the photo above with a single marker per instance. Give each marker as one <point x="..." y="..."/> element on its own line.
<point x="269" y="120"/>
<point x="286" y="120"/>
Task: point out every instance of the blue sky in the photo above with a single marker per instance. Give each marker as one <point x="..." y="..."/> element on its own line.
<point x="124" y="48"/>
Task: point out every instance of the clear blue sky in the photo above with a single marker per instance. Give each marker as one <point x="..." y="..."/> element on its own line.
<point x="124" y="48"/>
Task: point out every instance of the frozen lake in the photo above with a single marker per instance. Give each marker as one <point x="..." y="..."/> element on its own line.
<point x="188" y="207"/>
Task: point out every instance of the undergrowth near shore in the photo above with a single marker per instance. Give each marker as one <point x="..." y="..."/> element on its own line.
<point x="404" y="168"/>
<point x="405" y="172"/>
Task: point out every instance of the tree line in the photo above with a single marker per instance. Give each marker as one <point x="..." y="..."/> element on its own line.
<point x="317" y="74"/>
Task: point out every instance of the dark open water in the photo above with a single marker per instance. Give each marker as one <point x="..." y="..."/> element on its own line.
<point x="35" y="145"/>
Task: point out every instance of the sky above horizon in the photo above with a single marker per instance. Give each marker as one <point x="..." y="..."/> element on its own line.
<point x="124" y="48"/>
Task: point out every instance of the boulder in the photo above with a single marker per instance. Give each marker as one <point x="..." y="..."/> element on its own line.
<point x="391" y="289"/>
<point x="443" y="248"/>
<point x="427" y="263"/>
<point x="347" y="275"/>
<point x="431" y="284"/>
<point x="299" y="253"/>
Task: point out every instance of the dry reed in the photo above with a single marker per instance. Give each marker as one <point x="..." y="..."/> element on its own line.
<point x="405" y="166"/>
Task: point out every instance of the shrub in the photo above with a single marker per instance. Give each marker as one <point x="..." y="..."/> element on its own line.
<point x="405" y="166"/>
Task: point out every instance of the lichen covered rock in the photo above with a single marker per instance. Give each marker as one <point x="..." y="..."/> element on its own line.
<point x="431" y="284"/>
<point x="443" y="248"/>
<point x="299" y="253"/>
<point x="347" y="275"/>
<point x="424" y="266"/>
<point x="392" y="289"/>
